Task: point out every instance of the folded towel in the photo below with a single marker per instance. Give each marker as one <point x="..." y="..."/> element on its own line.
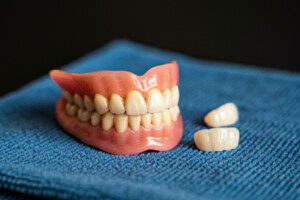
<point x="38" y="158"/>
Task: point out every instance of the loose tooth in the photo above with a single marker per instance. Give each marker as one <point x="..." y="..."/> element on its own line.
<point x="166" y="117"/>
<point x="116" y="104"/>
<point x="167" y="98"/>
<point x="78" y="101"/>
<point x="68" y="96"/>
<point x="95" y="119"/>
<point x="121" y="122"/>
<point x="175" y="95"/>
<point x="224" y="115"/>
<point x="84" y="115"/>
<point x="71" y="109"/>
<point x="89" y="103"/>
<point x="174" y="113"/>
<point x="146" y="121"/>
<point x="134" y="122"/>
<point x="156" y="119"/>
<point x="107" y="121"/>
<point x="135" y="103"/>
<point x="101" y="104"/>
<point x="217" y="139"/>
<point x="155" y="101"/>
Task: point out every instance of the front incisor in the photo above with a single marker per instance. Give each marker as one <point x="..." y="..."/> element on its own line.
<point x="224" y="115"/>
<point x="101" y="104"/>
<point x="116" y="104"/>
<point x="155" y="101"/>
<point x="146" y="121"/>
<point x="217" y="139"/>
<point x="135" y="103"/>
<point x="121" y="122"/>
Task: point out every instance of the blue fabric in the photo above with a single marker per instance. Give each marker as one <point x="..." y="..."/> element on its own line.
<point x="38" y="158"/>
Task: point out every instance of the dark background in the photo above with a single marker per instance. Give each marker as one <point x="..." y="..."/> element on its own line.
<point x="35" y="36"/>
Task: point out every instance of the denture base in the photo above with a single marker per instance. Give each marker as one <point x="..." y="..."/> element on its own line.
<point x="126" y="143"/>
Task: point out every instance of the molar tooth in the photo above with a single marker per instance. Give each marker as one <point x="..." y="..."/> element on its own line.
<point x="174" y="111"/>
<point x="135" y="103"/>
<point x="116" y="104"/>
<point x="121" y="122"/>
<point x="89" y="103"/>
<point x="134" y="122"/>
<point x="155" y="101"/>
<point x="71" y="109"/>
<point x="68" y="96"/>
<point x="78" y="101"/>
<point x="146" y="121"/>
<point x="95" y="119"/>
<point x="84" y="115"/>
<point x="167" y="98"/>
<point x="156" y="119"/>
<point x="175" y="95"/>
<point x="166" y="118"/>
<point x="107" y="121"/>
<point x="101" y="104"/>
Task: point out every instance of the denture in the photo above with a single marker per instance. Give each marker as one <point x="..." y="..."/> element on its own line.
<point x="120" y="112"/>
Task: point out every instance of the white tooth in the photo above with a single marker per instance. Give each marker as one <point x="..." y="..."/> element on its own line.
<point x="121" y="122"/>
<point x="174" y="111"/>
<point x="116" y="104"/>
<point x="78" y="101"/>
<point x="175" y="95"/>
<point x="155" y="101"/>
<point x="134" y="122"/>
<point x="217" y="139"/>
<point x="146" y="121"/>
<point x="156" y="119"/>
<point x="135" y="103"/>
<point x="71" y="109"/>
<point x="84" y="115"/>
<point x="95" y="119"/>
<point x="166" y="118"/>
<point x="68" y="96"/>
<point x="89" y="103"/>
<point x="101" y="104"/>
<point x="167" y="98"/>
<point x="107" y="121"/>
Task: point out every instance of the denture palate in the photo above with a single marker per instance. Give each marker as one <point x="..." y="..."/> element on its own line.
<point x="155" y="109"/>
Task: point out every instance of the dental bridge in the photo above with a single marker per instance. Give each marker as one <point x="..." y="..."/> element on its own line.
<point x="120" y="112"/>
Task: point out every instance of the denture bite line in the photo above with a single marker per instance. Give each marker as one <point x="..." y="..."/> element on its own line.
<point x="135" y="110"/>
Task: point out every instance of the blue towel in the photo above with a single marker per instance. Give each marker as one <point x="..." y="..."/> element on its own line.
<point x="38" y="158"/>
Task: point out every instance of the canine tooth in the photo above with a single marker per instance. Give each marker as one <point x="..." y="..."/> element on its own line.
<point x="121" y="122"/>
<point x="166" y="118"/>
<point x="89" y="103"/>
<point x="68" y="96"/>
<point x="135" y="103"/>
<point x="156" y="119"/>
<point x="217" y="139"/>
<point x="146" y="121"/>
<point x="84" y="115"/>
<point x="95" y="119"/>
<point x="134" y="122"/>
<point x="101" y="104"/>
<point x="107" y="121"/>
<point x="224" y="115"/>
<point x="175" y="95"/>
<point x="167" y="98"/>
<point x="78" y="101"/>
<point x="155" y="101"/>
<point x="116" y="104"/>
<point x="174" y="111"/>
<point x="71" y="109"/>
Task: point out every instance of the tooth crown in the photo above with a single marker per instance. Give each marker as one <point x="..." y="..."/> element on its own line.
<point x="151" y="110"/>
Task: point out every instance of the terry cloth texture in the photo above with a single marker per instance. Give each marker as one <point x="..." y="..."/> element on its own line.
<point x="38" y="158"/>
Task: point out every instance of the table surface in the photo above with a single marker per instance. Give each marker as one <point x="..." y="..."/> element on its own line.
<point x="38" y="158"/>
